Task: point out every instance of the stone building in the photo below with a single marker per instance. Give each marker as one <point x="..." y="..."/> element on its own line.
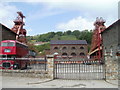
<point x="111" y="47"/>
<point x="76" y="48"/>
<point x="6" y="33"/>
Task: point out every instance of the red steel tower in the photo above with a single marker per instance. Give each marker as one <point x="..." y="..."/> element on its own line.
<point x="96" y="46"/>
<point x="18" y="28"/>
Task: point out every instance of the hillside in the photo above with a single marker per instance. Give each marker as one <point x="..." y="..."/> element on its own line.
<point x="67" y="35"/>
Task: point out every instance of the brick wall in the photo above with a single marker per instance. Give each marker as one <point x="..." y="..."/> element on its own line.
<point x="69" y="49"/>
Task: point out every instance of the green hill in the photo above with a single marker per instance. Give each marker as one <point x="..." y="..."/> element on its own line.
<point x="67" y="35"/>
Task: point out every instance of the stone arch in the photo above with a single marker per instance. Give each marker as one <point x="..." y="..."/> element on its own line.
<point x="73" y="54"/>
<point x="81" y="47"/>
<point x="73" y="48"/>
<point x="64" y="54"/>
<point x="82" y="54"/>
<point x="55" y="47"/>
<point x="64" y="48"/>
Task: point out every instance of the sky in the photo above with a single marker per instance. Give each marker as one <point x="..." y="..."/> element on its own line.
<point x="44" y="16"/>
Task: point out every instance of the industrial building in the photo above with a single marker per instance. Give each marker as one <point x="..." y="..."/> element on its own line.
<point x="111" y="49"/>
<point x="111" y="39"/>
<point x="76" y="48"/>
<point x="6" y="33"/>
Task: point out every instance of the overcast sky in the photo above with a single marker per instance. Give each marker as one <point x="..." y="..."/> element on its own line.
<point x="58" y="15"/>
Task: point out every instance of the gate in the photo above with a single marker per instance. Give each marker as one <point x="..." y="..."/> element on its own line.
<point x="66" y="68"/>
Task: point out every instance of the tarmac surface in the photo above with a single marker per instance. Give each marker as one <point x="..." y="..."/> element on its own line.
<point x="25" y="82"/>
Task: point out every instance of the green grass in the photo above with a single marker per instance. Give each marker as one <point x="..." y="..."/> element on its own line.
<point x="66" y="37"/>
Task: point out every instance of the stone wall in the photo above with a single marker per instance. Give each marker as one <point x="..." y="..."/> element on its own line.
<point x="110" y="48"/>
<point x="25" y="73"/>
<point x="49" y="73"/>
<point x="50" y="64"/>
<point x="111" y="68"/>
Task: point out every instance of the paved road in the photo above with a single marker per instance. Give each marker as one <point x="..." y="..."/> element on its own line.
<point x="25" y="82"/>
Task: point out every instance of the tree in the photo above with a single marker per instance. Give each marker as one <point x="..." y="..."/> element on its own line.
<point x="32" y="47"/>
<point x="41" y="48"/>
<point x="69" y="32"/>
<point x="76" y="33"/>
<point x="59" y="33"/>
<point x="86" y="35"/>
<point x="67" y="35"/>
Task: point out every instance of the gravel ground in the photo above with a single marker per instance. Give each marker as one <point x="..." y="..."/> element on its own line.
<point x="24" y="82"/>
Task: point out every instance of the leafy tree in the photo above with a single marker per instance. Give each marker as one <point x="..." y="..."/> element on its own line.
<point x="86" y="35"/>
<point x="67" y="35"/>
<point x="59" y="33"/>
<point x="69" y="32"/>
<point x="41" y="48"/>
<point x="76" y="33"/>
<point x="32" y="47"/>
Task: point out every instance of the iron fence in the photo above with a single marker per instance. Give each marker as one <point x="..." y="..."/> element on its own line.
<point x="24" y="66"/>
<point x="80" y="70"/>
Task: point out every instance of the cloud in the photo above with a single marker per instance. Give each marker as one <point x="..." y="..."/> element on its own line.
<point x="93" y="7"/>
<point x="43" y="13"/>
<point x="89" y="9"/>
<point x="77" y="23"/>
<point x="7" y="14"/>
<point x="29" y="30"/>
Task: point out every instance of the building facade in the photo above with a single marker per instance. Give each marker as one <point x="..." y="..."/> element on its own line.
<point x="6" y="33"/>
<point x="111" y="48"/>
<point x="76" y="48"/>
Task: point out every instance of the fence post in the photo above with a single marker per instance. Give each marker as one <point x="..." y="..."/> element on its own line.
<point x="50" y="66"/>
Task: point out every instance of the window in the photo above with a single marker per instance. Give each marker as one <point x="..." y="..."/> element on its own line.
<point x="21" y="45"/>
<point x="8" y="44"/>
<point x="73" y="48"/>
<point x="81" y="47"/>
<point x="111" y="51"/>
<point x="11" y="44"/>
<point x="64" y="54"/>
<point x="82" y="54"/>
<point x="64" y="48"/>
<point x="55" y="47"/>
<point x="118" y="47"/>
<point x="105" y="52"/>
<point x="4" y="44"/>
<point x="73" y="54"/>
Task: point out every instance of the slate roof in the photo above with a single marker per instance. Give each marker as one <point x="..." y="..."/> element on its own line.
<point x="6" y="28"/>
<point x="115" y="23"/>
<point x="68" y="42"/>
